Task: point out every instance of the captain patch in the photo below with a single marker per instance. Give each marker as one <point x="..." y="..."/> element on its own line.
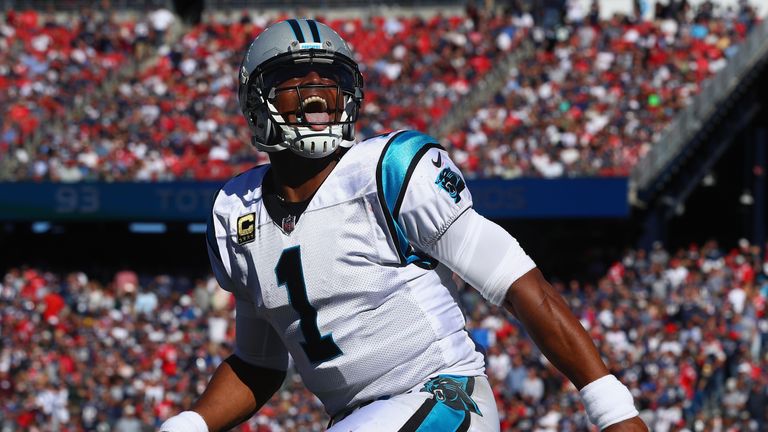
<point x="246" y="227"/>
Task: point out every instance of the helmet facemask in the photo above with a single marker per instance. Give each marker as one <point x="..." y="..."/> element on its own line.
<point x="317" y="126"/>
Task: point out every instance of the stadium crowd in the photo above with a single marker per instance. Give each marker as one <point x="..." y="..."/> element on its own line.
<point x="595" y="95"/>
<point x="687" y="331"/>
<point x="49" y="74"/>
<point x="96" y="98"/>
<point x="176" y="115"/>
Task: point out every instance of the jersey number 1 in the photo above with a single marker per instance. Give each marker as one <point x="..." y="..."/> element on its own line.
<point x="318" y="348"/>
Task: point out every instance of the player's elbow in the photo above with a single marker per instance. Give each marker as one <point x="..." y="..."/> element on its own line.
<point x="263" y="382"/>
<point x="530" y="289"/>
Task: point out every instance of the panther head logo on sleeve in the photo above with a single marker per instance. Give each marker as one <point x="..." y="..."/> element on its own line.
<point x="451" y="182"/>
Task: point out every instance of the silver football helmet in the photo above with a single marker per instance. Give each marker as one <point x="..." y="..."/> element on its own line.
<point x="292" y="49"/>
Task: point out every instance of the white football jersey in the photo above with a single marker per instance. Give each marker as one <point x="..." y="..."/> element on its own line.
<point x="346" y="290"/>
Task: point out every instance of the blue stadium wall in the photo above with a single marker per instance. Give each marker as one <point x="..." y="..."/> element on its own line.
<point x="190" y="201"/>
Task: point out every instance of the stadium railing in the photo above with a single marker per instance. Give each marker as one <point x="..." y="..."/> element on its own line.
<point x="690" y="120"/>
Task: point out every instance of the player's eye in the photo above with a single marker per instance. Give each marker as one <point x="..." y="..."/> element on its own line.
<point x="285" y="73"/>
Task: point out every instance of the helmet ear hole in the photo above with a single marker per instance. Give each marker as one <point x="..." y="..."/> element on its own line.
<point x="348" y="129"/>
<point x="272" y="134"/>
<point x="348" y="132"/>
<point x="265" y="132"/>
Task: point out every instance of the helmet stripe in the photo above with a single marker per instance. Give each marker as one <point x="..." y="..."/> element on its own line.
<point x="296" y="30"/>
<point x="314" y="30"/>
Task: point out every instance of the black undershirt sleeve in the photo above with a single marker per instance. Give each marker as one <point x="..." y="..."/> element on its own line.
<point x="263" y="382"/>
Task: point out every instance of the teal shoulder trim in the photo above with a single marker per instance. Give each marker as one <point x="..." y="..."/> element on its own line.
<point x="398" y="160"/>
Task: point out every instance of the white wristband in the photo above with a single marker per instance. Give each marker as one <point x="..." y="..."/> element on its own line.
<point x="607" y="401"/>
<point x="187" y="421"/>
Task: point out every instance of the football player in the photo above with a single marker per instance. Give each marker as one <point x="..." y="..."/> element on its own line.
<point x="341" y="255"/>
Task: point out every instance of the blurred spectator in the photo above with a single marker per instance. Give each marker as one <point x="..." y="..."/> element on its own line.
<point x="516" y="376"/>
<point x="146" y="302"/>
<point x="533" y="387"/>
<point x="128" y="421"/>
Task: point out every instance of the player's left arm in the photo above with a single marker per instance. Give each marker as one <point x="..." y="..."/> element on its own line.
<point x="563" y="340"/>
<point x="438" y="218"/>
<point x="492" y="261"/>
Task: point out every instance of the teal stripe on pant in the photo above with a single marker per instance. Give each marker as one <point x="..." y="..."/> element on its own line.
<point x="443" y="418"/>
<point x="450" y="408"/>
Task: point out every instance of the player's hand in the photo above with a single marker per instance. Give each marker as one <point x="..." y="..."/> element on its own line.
<point x="629" y="425"/>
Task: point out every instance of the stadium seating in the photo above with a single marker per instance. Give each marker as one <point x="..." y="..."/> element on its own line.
<point x="686" y="330"/>
<point x="595" y="95"/>
<point x="98" y="99"/>
<point x="176" y="116"/>
<point x="590" y="100"/>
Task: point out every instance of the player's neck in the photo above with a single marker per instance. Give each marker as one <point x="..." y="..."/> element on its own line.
<point x="297" y="178"/>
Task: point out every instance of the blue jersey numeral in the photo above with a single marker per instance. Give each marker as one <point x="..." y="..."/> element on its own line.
<point x="319" y="348"/>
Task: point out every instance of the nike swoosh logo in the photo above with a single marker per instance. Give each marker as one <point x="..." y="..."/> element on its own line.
<point x="439" y="162"/>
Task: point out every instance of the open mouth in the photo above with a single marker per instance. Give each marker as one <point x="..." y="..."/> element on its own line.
<point x="316" y="112"/>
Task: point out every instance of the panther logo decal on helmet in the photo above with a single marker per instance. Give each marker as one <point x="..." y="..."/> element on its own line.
<point x="288" y="49"/>
<point x="243" y="75"/>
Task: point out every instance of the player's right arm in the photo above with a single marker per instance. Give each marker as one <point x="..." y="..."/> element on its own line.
<point x="242" y="383"/>
<point x="236" y="391"/>
<point x="247" y="379"/>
